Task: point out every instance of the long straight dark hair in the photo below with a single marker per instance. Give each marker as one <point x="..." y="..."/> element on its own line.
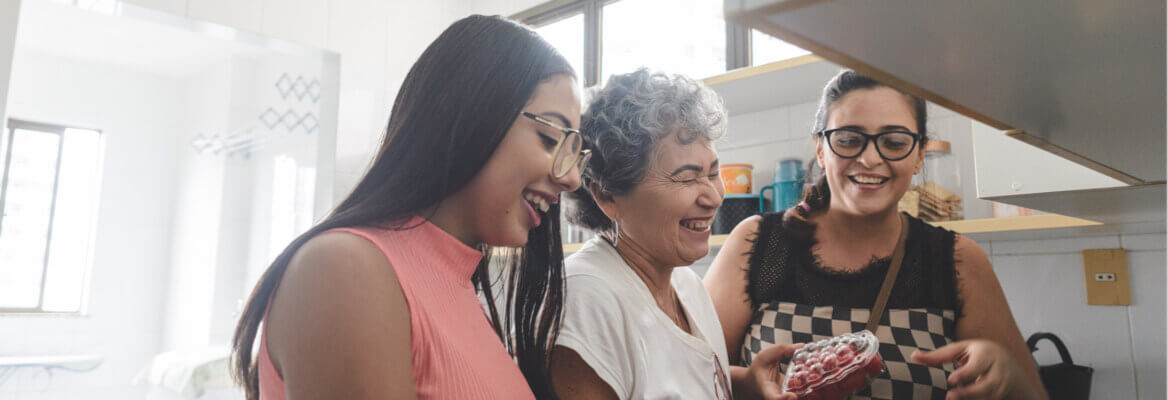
<point x="455" y="106"/>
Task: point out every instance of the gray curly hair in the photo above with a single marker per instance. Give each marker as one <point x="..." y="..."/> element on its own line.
<point x="623" y="124"/>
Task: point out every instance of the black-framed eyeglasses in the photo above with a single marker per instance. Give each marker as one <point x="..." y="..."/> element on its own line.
<point x="569" y="151"/>
<point x="891" y="145"/>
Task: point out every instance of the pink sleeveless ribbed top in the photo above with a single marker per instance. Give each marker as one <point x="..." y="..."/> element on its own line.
<point x="456" y="353"/>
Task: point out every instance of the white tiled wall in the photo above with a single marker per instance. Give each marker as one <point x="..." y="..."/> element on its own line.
<point x="138" y="115"/>
<point x="1044" y="283"/>
<point x="247" y="15"/>
<point x="765" y="137"/>
<point x="378" y="42"/>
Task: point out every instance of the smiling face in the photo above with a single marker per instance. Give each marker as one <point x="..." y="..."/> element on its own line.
<point x="511" y="193"/>
<point x="869" y="184"/>
<point x="670" y="212"/>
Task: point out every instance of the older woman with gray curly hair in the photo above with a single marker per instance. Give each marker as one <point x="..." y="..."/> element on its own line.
<point x="637" y="322"/>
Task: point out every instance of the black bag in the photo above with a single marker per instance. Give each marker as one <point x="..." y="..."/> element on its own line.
<point x="1065" y="380"/>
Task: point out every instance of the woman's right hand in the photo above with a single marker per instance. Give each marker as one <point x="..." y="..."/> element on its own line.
<point x="763" y="377"/>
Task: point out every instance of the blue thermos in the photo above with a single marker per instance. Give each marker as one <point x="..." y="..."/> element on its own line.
<point x="788" y="186"/>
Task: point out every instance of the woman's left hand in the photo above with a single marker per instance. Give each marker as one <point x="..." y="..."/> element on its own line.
<point x="985" y="370"/>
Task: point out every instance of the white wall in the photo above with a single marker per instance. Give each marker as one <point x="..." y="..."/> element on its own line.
<point x="9" y="11"/>
<point x="765" y="137"/>
<point x="198" y="209"/>
<point x="137" y="114"/>
<point x="503" y="7"/>
<point x="1044" y="283"/>
<point x="378" y="42"/>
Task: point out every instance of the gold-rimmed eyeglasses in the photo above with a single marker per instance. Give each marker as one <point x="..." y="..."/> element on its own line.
<point x="569" y="151"/>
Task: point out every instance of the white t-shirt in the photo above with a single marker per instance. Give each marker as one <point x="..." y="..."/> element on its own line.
<point x="613" y="323"/>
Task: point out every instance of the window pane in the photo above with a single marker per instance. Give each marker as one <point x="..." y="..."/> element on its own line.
<point x="25" y="225"/>
<point x="283" y="227"/>
<point x="74" y="218"/>
<point x="677" y="36"/>
<point x="765" y="48"/>
<point x="567" y="35"/>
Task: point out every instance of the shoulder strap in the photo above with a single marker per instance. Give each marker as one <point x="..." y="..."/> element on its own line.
<point x="889" y="279"/>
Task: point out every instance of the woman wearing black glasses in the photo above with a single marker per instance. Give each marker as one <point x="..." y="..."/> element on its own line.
<point x="819" y="269"/>
<point x="381" y="299"/>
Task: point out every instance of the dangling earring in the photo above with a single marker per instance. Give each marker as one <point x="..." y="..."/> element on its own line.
<point x="615" y="233"/>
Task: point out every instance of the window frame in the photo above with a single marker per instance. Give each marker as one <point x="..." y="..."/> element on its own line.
<point x="9" y="133"/>
<point x="738" y="46"/>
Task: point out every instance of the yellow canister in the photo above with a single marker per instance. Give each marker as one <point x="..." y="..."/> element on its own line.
<point x="736" y="178"/>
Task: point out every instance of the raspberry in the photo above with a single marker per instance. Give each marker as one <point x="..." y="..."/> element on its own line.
<point x="831" y="392"/>
<point x="829" y="362"/>
<point x="875" y="366"/>
<point x="853" y="382"/>
<point x="844" y="350"/>
<point x="795" y="382"/>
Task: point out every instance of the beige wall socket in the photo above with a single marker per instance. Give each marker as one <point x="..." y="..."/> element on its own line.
<point x="1106" y="273"/>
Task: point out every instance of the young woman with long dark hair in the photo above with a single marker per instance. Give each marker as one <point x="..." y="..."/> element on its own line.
<point x="381" y="299"/>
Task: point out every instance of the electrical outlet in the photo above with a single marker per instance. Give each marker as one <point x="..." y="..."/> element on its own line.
<point x="1106" y="274"/>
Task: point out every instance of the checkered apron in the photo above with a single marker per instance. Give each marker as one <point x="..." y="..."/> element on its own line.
<point x="901" y="331"/>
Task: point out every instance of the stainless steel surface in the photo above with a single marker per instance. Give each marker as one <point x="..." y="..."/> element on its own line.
<point x="1084" y="76"/>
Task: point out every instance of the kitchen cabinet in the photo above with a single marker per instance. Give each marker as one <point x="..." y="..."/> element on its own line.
<point x="1069" y="98"/>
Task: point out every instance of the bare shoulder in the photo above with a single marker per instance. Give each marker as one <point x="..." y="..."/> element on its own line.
<point x="743" y="236"/>
<point x="733" y="258"/>
<point x="748" y="228"/>
<point x="337" y="270"/>
<point x="970" y="261"/>
<point x="339" y="307"/>
<point x="338" y="250"/>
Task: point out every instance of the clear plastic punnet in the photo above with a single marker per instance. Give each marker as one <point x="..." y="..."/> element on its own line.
<point x="832" y="368"/>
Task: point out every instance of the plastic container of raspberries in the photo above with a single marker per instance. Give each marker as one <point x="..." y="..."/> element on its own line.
<point x="832" y="368"/>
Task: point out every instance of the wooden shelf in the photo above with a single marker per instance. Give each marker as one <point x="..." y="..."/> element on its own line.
<point x="753" y="71"/>
<point x="983" y="225"/>
<point x="1006" y="224"/>
<point x="763" y="87"/>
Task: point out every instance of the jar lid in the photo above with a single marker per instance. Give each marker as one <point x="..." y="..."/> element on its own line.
<point x="937" y="145"/>
<point x="746" y="166"/>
